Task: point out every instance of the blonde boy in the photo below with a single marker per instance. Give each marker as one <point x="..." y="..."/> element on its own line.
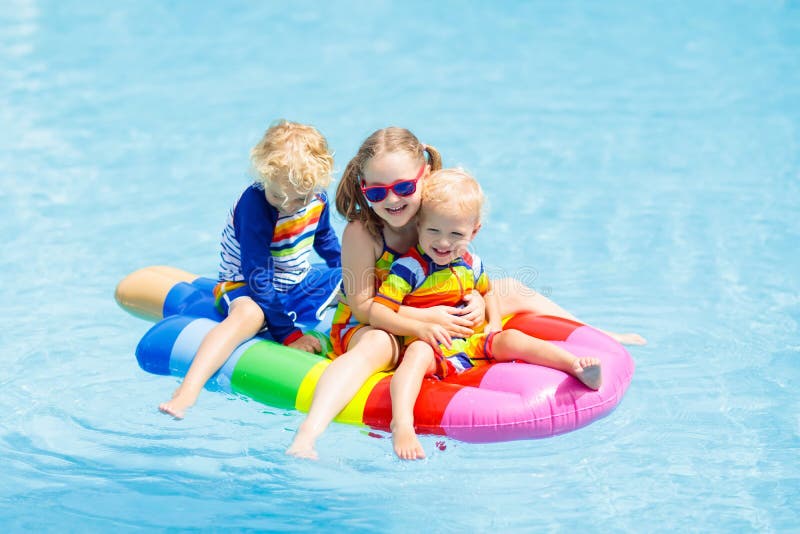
<point x="440" y="271"/>
<point x="266" y="281"/>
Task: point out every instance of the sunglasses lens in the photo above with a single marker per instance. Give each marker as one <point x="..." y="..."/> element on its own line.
<point x="376" y="194"/>
<point x="405" y="188"/>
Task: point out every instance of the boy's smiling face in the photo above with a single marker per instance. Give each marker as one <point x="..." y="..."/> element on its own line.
<point x="445" y="234"/>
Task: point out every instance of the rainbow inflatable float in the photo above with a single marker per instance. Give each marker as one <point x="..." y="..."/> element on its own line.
<point x="498" y="402"/>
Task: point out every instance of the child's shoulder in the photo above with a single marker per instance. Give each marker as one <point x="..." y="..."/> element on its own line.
<point x="473" y="261"/>
<point x="253" y="193"/>
<point x="357" y="238"/>
<point x="412" y="261"/>
<point x="357" y="230"/>
<point x="252" y="205"/>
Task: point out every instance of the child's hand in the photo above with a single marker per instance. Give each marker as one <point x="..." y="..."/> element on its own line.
<point x="450" y="319"/>
<point x="307" y="343"/>
<point x="475" y="309"/>
<point x="434" y="335"/>
<point x="493" y="326"/>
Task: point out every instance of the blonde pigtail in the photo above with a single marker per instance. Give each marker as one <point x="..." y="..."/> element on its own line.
<point x="346" y="199"/>
<point x="434" y="157"/>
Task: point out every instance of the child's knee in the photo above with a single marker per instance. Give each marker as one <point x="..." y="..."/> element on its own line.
<point x="374" y="336"/>
<point x="506" y="340"/>
<point x="245" y="310"/>
<point x="378" y="341"/>
<point x="380" y="346"/>
<point x="420" y="355"/>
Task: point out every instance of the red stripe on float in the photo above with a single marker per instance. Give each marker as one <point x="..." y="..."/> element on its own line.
<point x="434" y="396"/>
<point x="471" y="378"/>
<point x="378" y="408"/>
<point x="544" y="327"/>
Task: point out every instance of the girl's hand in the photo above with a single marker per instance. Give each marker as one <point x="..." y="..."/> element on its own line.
<point x="475" y="309"/>
<point x="307" y="343"/>
<point x="451" y="319"/>
<point x="434" y="335"/>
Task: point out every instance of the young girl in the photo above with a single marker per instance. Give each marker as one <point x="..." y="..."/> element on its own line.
<point x="379" y="196"/>
<point x="439" y="270"/>
<point x="266" y="279"/>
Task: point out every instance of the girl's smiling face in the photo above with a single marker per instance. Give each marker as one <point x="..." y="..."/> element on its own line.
<point x="385" y="169"/>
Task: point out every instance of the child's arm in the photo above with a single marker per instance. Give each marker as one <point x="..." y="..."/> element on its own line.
<point x="450" y="318"/>
<point x="358" y="269"/>
<point x="326" y="244"/>
<point x="403" y="278"/>
<point x="358" y="279"/>
<point x="384" y="317"/>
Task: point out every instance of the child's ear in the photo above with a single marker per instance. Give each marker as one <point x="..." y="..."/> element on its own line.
<point x="475" y="230"/>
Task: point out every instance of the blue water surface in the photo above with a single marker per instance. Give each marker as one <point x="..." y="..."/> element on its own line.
<point x="643" y="165"/>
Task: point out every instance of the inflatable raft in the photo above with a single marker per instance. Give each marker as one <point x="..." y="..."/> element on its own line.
<point x="497" y="402"/>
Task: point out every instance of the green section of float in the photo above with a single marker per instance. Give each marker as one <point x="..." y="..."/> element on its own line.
<point x="271" y="373"/>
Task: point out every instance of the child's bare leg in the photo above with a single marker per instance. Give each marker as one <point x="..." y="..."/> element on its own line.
<point x="515" y="297"/>
<point x="244" y="320"/>
<point x="515" y="345"/>
<point x="370" y="351"/>
<point x="406" y="383"/>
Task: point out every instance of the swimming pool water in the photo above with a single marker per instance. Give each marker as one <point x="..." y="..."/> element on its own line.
<point x="643" y="167"/>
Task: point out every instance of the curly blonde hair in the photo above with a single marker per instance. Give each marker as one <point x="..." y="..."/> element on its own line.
<point x="350" y="201"/>
<point x="294" y="154"/>
<point x="453" y="190"/>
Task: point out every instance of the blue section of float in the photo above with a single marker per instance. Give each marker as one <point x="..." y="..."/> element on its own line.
<point x="153" y="351"/>
<point x="189" y="314"/>
<point x="195" y="299"/>
<point x="188" y="341"/>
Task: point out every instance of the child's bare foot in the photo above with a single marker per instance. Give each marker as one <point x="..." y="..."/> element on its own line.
<point x="178" y="404"/>
<point x="302" y="446"/>
<point x="587" y="370"/>
<point x="628" y="338"/>
<point x="405" y="441"/>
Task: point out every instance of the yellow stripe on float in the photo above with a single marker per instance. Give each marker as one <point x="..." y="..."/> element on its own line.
<point x="306" y="390"/>
<point x="353" y="413"/>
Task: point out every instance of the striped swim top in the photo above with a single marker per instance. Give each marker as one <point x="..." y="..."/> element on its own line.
<point x="416" y="280"/>
<point x="290" y="246"/>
